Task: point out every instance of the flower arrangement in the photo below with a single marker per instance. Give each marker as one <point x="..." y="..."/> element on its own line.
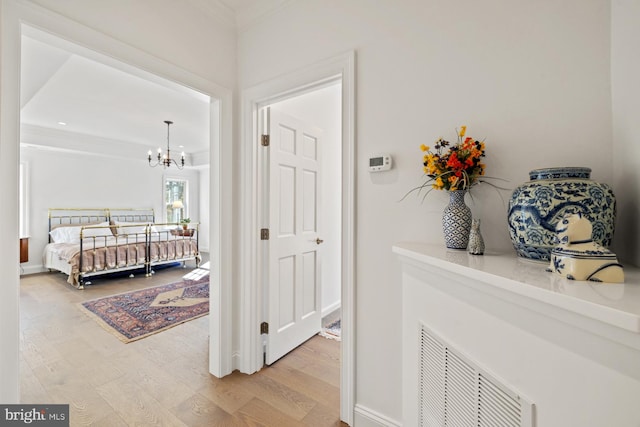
<point x="459" y="168"/>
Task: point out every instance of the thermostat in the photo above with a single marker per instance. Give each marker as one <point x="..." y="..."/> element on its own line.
<point x="380" y="163"/>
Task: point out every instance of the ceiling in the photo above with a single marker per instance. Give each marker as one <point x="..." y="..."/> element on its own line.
<point x="108" y="107"/>
<point x="102" y="102"/>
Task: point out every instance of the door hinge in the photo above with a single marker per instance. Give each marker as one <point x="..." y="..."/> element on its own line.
<point x="264" y="328"/>
<point x="264" y="234"/>
<point x="264" y="140"/>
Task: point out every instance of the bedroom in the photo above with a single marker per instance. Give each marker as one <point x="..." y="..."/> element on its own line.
<point x="90" y="125"/>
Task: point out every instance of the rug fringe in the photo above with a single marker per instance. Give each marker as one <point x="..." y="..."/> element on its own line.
<point x="329" y="335"/>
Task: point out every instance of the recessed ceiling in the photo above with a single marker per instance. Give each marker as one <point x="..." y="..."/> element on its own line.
<point x="239" y="5"/>
<point x="61" y="82"/>
<point x="104" y="101"/>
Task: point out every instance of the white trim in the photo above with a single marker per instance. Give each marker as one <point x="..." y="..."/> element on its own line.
<point x="368" y="417"/>
<point x="328" y="310"/>
<point x="16" y="16"/>
<point x="340" y="67"/>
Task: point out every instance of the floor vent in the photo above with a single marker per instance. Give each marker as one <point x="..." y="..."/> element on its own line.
<point x="455" y="392"/>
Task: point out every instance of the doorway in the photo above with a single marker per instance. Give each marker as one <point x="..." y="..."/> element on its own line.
<point x="252" y="260"/>
<point x="15" y="17"/>
<point x="303" y="211"/>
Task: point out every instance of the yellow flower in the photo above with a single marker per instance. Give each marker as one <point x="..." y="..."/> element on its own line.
<point x="439" y="183"/>
<point x="463" y="130"/>
<point x="424" y="147"/>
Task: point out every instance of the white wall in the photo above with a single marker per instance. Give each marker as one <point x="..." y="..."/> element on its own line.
<point x="625" y="72"/>
<point x="531" y="78"/>
<point x="76" y="180"/>
<point x="184" y="32"/>
<point x="322" y="108"/>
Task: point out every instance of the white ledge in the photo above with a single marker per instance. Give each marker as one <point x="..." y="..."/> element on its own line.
<point x="616" y="304"/>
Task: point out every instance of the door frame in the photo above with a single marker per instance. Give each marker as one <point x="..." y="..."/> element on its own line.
<point x="15" y="15"/>
<point x="250" y="355"/>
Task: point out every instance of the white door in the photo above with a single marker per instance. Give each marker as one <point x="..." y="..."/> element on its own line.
<point x="294" y="247"/>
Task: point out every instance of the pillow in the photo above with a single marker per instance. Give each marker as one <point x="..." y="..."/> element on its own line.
<point x="71" y="234"/>
<point x="133" y="227"/>
<point x="68" y="234"/>
<point x="96" y="232"/>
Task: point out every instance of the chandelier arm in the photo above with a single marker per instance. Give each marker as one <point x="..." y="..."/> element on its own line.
<point x="166" y="160"/>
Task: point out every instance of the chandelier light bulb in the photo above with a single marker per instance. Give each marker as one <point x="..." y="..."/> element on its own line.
<point x="165" y="159"/>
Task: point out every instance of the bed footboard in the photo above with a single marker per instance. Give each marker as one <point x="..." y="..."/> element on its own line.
<point x="169" y="244"/>
<point x="133" y="248"/>
<point x="101" y="253"/>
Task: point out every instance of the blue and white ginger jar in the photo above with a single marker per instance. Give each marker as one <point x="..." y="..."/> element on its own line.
<point x="537" y="205"/>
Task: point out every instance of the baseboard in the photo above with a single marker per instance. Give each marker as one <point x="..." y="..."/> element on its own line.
<point x="365" y="417"/>
<point x="330" y="309"/>
<point x="32" y="269"/>
<point x="235" y="361"/>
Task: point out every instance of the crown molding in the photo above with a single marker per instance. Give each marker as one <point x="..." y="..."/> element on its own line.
<point x="43" y="138"/>
<point x="217" y="10"/>
<point x="258" y="12"/>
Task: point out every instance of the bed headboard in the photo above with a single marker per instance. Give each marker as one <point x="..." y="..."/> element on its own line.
<point x="132" y="215"/>
<point x="86" y="216"/>
<point x="76" y="216"/>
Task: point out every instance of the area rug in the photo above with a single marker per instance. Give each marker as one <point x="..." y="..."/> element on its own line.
<point x="332" y="330"/>
<point x="134" y="315"/>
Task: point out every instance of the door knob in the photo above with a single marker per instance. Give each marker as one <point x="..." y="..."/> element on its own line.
<point x="319" y="240"/>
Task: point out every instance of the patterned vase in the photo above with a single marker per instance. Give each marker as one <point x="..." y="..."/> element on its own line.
<point x="456" y="221"/>
<point x="537" y="205"/>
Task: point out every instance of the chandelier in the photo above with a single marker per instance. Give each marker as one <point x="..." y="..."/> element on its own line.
<point x="165" y="159"/>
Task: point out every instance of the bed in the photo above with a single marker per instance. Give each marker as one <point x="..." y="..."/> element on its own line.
<point x="89" y="242"/>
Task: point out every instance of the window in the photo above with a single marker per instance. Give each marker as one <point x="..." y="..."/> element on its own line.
<point x="175" y="196"/>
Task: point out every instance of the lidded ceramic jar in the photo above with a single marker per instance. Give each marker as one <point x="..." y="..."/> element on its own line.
<point x="537" y="205"/>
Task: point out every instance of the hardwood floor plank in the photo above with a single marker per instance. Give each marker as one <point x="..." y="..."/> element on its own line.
<point x="279" y="395"/>
<point x="36" y="349"/>
<point x="55" y="373"/>
<point x="110" y="420"/>
<point x="226" y="394"/>
<point x="166" y="387"/>
<point x="198" y="411"/>
<point x="86" y="406"/>
<point x="258" y="413"/>
<point x="31" y="390"/>
<point x="135" y="405"/>
<point x="323" y="416"/>
<point x="312" y="387"/>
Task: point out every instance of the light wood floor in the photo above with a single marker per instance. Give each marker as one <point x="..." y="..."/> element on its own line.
<point x="160" y="380"/>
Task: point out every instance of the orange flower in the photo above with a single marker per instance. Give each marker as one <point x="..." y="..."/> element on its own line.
<point x="453" y="166"/>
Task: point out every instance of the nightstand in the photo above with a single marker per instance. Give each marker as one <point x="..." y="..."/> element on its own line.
<point x="24" y="249"/>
